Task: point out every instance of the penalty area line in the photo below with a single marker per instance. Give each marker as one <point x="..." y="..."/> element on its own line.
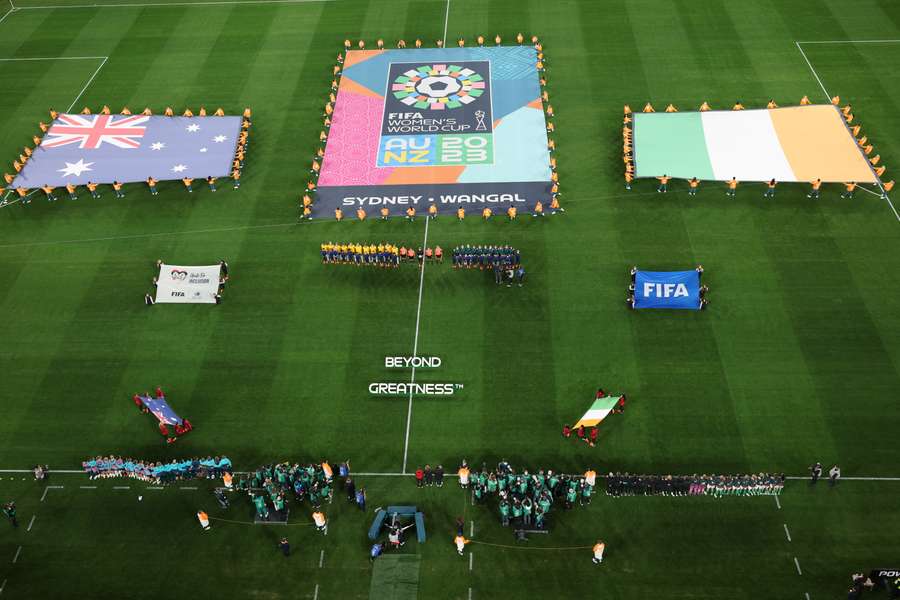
<point x="828" y="98"/>
<point x="86" y="85"/>
<point x="412" y="377"/>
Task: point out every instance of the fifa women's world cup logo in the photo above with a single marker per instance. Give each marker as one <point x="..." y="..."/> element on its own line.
<point x="437" y="115"/>
<point x="438" y="87"/>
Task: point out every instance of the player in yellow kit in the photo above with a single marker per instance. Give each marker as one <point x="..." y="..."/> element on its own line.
<point x="814" y="192"/>
<point x="849" y="188"/>
<point x="732" y="187"/>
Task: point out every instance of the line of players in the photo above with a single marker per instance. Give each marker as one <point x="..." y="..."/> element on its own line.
<point x="103" y="467"/>
<point x="754" y="484"/>
<point x="379" y="255"/>
<point x="485" y="257"/>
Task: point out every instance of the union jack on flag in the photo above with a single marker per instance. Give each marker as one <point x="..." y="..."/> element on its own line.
<point x="91" y="131"/>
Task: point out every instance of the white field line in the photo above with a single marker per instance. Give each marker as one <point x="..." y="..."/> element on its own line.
<point x="797" y="564"/>
<point x="316" y="593"/>
<point x="3" y="18"/>
<point x="446" y="21"/>
<point x="470" y="593"/>
<point x="412" y="377"/>
<point x="787" y="533"/>
<point x="166" y="4"/>
<point x="809" y="64"/>
<point x="850" y="42"/>
<point x="31" y="522"/>
<point x="89" y="81"/>
<point x="777" y="502"/>
<point x="471" y="558"/>
<point x="321" y="558"/>
<point x="146" y="235"/>
<point x="53" y="58"/>
<point x="187" y="488"/>
<point x="121" y="487"/>
<point x="16" y="557"/>
<point x="87" y="487"/>
<point x="828" y="98"/>
<point x="472" y="529"/>
<point x="2" y="586"/>
<point x="806" y="594"/>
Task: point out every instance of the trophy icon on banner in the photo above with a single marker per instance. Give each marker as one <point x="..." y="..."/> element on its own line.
<point x="479" y="121"/>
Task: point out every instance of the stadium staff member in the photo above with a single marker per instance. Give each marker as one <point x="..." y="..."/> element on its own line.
<point x="599" y="548"/>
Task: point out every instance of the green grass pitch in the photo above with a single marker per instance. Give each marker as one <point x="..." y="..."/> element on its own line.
<point x="796" y="359"/>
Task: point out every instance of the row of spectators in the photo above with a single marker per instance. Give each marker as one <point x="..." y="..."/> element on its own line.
<point x="754" y="484"/>
<point x="379" y="255"/>
<point x="103" y="467"/>
<point x="524" y="499"/>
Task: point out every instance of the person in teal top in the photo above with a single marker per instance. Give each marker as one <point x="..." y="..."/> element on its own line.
<point x="571" y="495"/>
<point x="516" y="510"/>
<point x="504" y="512"/>
<point x="586" y="491"/>
<point x="526" y="510"/>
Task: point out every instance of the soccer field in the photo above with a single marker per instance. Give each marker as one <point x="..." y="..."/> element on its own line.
<point x="795" y="361"/>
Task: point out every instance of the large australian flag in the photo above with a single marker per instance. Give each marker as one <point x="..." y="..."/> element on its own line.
<point x="125" y="148"/>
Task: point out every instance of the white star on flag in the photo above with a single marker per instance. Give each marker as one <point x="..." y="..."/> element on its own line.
<point x="157" y="145"/>
<point x="193" y="127"/>
<point x="219" y="139"/>
<point x="75" y="169"/>
<point x="202" y="149"/>
<point x="179" y="168"/>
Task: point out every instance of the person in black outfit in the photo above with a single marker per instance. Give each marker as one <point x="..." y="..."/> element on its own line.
<point x="351" y="490"/>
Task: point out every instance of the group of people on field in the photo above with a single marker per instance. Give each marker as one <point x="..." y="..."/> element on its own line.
<point x="103" y="467"/>
<point x="272" y="485"/>
<point x="731" y="185"/>
<point x="24" y="194"/>
<point x="704" y="290"/>
<point x="378" y="255"/>
<point x="525" y="498"/>
<point x="752" y="484"/>
<point x="504" y="261"/>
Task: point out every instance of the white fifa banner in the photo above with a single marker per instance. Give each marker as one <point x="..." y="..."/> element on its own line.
<point x="187" y="285"/>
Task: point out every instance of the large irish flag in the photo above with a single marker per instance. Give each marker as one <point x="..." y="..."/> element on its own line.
<point x="800" y="143"/>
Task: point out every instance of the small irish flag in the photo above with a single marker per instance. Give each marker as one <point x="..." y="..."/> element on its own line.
<point x="598" y="411"/>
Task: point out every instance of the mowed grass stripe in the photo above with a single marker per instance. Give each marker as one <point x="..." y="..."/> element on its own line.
<point x="76" y="279"/>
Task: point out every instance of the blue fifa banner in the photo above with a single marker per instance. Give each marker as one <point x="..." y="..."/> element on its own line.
<point x="667" y="289"/>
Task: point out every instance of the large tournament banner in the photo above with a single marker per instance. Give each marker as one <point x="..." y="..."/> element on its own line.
<point x="454" y="127"/>
<point x="182" y="285"/>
